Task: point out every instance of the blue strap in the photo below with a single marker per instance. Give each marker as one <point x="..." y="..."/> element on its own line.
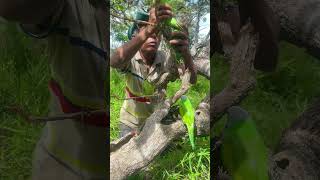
<point x="77" y="41"/>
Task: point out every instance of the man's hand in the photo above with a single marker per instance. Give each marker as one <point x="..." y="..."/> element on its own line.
<point x="124" y="53"/>
<point x="157" y="15"/>
<point x="180" y="41"/>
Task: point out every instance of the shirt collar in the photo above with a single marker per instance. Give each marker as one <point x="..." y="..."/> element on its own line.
<point x="157" y="60"/>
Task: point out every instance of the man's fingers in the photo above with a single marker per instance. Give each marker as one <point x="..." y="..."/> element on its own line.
<point x="179" y="35"/>
<point x="164" y="17"/>
<point x="164" y="12"/>
<point x="164" y="7"/>
<point x="179" y="42"/>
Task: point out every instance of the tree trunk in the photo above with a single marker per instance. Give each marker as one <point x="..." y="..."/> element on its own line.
<point x="297" y="156"/>
<point x="300" y="22"/>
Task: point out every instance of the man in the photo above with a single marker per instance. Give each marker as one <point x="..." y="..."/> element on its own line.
<point x="76" y="31"/>
<point x="143" y="66"/>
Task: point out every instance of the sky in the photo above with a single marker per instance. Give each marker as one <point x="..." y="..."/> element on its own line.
<point x="205" y="26"/>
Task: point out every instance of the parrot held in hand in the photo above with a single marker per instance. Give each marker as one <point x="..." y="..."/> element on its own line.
<point x="187" y="114"/>
<point x="243" y="151"/>
<point x="172" y="22"/>
<point x="169" y="26"/>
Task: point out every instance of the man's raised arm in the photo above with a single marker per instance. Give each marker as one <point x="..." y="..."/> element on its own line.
<point x="123" y="54"/>
<point x="28" y="11"/>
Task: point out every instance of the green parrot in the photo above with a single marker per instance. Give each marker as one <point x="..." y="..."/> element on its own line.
<point x="173" y="25"/>
<point x="243" y="151"/>
<point x="187" y="114"/>
<point x="148" y="88"/>
<point x="172" y="22"/>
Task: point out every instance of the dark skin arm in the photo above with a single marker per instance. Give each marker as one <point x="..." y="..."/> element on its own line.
<point x="181" y="43"/>
<point x="124" y="53"/>
<point x="28" y="11"/>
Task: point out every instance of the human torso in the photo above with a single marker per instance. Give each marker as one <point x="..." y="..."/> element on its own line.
<point x="140" y="81"/>
<point x="78" y="63"/>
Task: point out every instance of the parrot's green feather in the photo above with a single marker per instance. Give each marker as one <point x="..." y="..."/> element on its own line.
<point x="168" y="26"/>
<point x="187" y="114"/>
<point x="243" y="151"/>
<point x="148" y="88"/>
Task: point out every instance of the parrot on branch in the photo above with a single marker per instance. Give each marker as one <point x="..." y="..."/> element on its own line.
<point x="187" y="114"/>
<point x="243" y="151"/>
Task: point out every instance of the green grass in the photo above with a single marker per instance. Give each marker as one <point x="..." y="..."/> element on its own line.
<point x="178" y="161"/>
<point x="279" y="97"/>
<point x="23" y="81"/>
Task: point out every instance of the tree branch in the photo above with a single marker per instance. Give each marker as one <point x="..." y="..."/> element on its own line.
<point x="132" y="20"/>
<point x="241" y="74"/>
<point x="203" y="67"/>
<point x="34" y="119"/>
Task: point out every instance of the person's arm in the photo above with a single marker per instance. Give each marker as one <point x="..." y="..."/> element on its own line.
<point x="28" y="11"/>
<point x="188" y="62"/>
<point x="181" y="43"/>
<point x="123" y="54"/>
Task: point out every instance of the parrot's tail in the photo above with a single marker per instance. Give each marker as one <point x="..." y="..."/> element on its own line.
<point x="191" y="136"/>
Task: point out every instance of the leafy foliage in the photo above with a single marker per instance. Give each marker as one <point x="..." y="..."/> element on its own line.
<point x="24" y="74"/>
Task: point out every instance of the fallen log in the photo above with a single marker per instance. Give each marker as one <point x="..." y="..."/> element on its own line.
<point x="298" y="153"/>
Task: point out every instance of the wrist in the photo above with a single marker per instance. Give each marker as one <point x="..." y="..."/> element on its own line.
<point x="186" y="57"/>
<point x="144" y="34"/>
<point x="188" y="60"/>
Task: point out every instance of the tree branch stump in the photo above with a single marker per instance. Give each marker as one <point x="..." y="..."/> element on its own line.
<point x="241" y="74"/>
<point x="298" y="153"/>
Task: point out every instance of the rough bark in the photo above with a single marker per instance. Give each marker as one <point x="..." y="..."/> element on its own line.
<point x="298" y="153"/>
<point x="300" y="22"/>
<point x="142" y="149"/>
<point x="202" y="117"/>
<point x="241" y="75"/>
<point x="203" y="67"/>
